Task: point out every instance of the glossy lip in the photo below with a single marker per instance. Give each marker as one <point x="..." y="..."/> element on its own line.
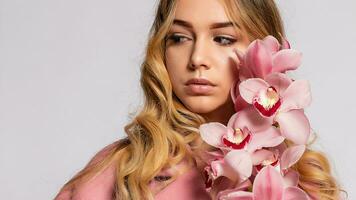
<point x="199" y="81"/>
<point x="199" y="86"/>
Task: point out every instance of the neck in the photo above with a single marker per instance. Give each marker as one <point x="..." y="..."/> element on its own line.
<point x="221" y="114"/>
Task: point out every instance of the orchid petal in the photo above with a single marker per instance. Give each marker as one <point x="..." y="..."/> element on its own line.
<point x="234" y="91"/>
<point x="232" y="121"/>
<point x="271" y="43"/>
<point x="267" y="138"/>
<point x="268" y="184"/>
<point x="259" y="59"/>
<point x="294" y="125"/>
<point x="261" y="155"/>
<point x="250" y="118"/>
<point x="294" y="193"/>
<point x="235" y="192"/>
<point x="286" y="59"/>
<point x="279" y="81"/>
<point x="291" y="156"/>
<point x="250" y="88"/>
<point x="240" y="162"/>
<point x="285" y="44"/>
<point x="240" y="55"/>
<point x="291" y="178"/>
<point x="245" y="73"/>
<point x="240" y="104"/>
<point x="209" y="156"/>
<point x="239" y="195"/>
<point x="296" y="96"/>
<point x="212" y="133"/>
<point x="219" y="168"/>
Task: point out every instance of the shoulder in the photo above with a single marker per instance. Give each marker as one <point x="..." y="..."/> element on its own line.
<point x="100" y="186"/>
<point x="106" y="151"/>
<point x="189" y="185"/>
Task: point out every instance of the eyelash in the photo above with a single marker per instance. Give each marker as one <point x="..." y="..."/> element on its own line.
<point x="175" y="37"/>
<point x="162" y="178"/>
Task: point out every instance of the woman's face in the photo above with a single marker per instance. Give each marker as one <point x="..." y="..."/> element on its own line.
<point x="200" y="45"/>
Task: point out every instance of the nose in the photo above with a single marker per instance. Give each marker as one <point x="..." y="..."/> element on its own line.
<point x="200" y="55"/>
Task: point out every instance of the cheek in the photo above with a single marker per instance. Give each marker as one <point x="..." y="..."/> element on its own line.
<point x="176" y="68"/>
<point x="227" y="74"/>
<point x="175" y="60"/>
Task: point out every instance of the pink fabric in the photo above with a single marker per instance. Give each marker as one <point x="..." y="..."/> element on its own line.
<point x="188" y="186"/>
<point x="98" y="188"/>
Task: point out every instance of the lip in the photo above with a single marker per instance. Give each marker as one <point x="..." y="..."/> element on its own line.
<point x="199" y="81"/>
<point x="199" y="86"/>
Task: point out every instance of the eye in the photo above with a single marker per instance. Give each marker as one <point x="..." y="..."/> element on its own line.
<point x="162" y="178"/>
<point x="177" y="38"/>
<point x="225" y="40"/>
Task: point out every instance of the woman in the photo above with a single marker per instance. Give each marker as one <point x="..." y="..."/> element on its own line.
<point x="191" y="42"/>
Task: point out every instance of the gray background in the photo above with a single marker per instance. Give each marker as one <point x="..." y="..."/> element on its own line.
<point x="69" y="74"/>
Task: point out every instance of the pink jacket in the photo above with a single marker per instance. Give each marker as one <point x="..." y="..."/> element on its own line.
<point x="188" y="186"/>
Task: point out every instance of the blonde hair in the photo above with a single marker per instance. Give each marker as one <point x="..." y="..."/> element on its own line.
<point x="158" y="135"/>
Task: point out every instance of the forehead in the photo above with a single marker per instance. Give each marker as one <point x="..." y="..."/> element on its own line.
<point x="201" y="13"/>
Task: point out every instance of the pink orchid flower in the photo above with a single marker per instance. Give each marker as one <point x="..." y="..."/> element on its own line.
<point x="282" y="99"/>
<point x="246" y="129"/>
<point x="263" y="57"/>
<point x="271" y="157"/>
<point x="268" y="184"/>
<point x="245" y="132"/>
<point x="266" y="56"/>
<point x="235" y="167"/>
<point x="281" y="163"/>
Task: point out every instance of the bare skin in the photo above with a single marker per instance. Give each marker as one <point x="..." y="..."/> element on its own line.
<point x="200" y="51"/>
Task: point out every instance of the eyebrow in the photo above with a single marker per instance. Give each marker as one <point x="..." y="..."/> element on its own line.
<point x="212" y="26"/>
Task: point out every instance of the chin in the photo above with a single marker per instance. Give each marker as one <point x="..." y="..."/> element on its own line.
<point x="201" y="105"/>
